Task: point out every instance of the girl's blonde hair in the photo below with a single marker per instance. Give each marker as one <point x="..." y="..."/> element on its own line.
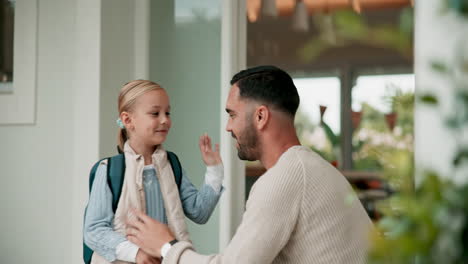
<point x="128" y="95"/>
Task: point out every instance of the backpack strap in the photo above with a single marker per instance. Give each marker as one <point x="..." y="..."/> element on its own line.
<point x="176" y="167"/>
<point x="115" y="177"/>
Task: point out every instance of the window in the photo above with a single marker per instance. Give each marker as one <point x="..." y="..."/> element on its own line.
<point x="352" y="69"/>
<point x="318" y="117"/>
<point x="18" y="92"/>
<point x="381" y="118"/>
<point x="382" y="109"/>
<point x="6" y="44"/>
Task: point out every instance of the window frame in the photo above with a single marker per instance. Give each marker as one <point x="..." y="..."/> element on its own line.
<point x="348" y="78"/>
<point x="18" y="105"/>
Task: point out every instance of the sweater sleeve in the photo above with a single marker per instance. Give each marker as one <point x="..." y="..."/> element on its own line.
<point x="98" y="232"/>
<point x="271" y="215"/>
<point x="198" y="205"/>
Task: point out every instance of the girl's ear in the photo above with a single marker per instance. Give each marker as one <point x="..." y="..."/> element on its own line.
<point x="126" y="120"/>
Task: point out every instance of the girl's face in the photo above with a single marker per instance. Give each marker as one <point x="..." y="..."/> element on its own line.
<point x="150" y="119"/>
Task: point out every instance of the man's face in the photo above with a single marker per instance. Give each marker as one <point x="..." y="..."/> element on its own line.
<point x="241" y="125"/>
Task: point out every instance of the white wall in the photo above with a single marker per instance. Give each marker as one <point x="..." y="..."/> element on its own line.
<point x="85" y="53"/>
<point x="36" y="160"/>
<point x="86" y="117"/>
<point x="435" y="39"/>
<point x="117" y="66"/>
<point x="84" y="56"/>
<point x="104" y="62"/>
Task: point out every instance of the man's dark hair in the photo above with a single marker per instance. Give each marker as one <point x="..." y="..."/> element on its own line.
<point x="269" y="85"/>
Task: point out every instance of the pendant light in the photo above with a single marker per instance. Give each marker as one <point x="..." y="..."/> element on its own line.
<point x="356" y="4"/>
<point x="300" y="17"/>
<point x="268" y="8"/>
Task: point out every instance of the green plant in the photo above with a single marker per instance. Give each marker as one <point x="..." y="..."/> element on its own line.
<point x="458" y="6"/>
<point x="376" y="146"/>
<point x="430" y="224"/>
<point x="305" y="128"/>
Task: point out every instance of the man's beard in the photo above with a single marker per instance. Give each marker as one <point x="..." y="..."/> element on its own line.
<point x="248" y="148"/>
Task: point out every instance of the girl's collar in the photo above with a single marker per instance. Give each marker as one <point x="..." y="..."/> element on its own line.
<point x="129" y="150"/>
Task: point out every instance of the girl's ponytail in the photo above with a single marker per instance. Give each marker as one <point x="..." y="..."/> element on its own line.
<point x="121" y="138"/>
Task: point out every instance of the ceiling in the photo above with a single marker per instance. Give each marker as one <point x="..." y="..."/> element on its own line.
<point x="274" y="41"/>
<point x="286" y="7"/>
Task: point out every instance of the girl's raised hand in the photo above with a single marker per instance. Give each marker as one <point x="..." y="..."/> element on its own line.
<point x="209" y="156"/>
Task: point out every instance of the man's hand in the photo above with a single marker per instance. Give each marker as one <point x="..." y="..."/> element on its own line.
<point x="143" y="258"/>
<point x="148" y="234"/>
<point x="209" y="156"/>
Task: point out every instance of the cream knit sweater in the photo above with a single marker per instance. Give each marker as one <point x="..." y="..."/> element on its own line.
<point x="302" y="210"/>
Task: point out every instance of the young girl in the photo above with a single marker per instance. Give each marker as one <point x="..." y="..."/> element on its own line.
<point x="149" y="183"/>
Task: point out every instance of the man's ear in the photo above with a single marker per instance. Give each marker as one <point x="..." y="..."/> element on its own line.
<point x="262" y="116"/>
<point x="126" y="120"/>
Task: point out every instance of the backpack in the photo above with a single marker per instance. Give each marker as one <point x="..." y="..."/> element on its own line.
<point x="115" y="176"/>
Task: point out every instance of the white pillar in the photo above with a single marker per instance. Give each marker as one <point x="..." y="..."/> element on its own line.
<point x="436" y="35"/>
<point x="142" y="37"/>
<point x="86" y="87"/>
<point x="233" y="53"/>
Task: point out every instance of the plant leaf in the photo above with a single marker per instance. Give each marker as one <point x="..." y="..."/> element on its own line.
<point x="429" y="99"/>
<point x="439" y="67"/>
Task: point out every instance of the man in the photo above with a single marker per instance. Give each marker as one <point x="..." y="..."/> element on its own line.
<point x="299" y="211"/>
